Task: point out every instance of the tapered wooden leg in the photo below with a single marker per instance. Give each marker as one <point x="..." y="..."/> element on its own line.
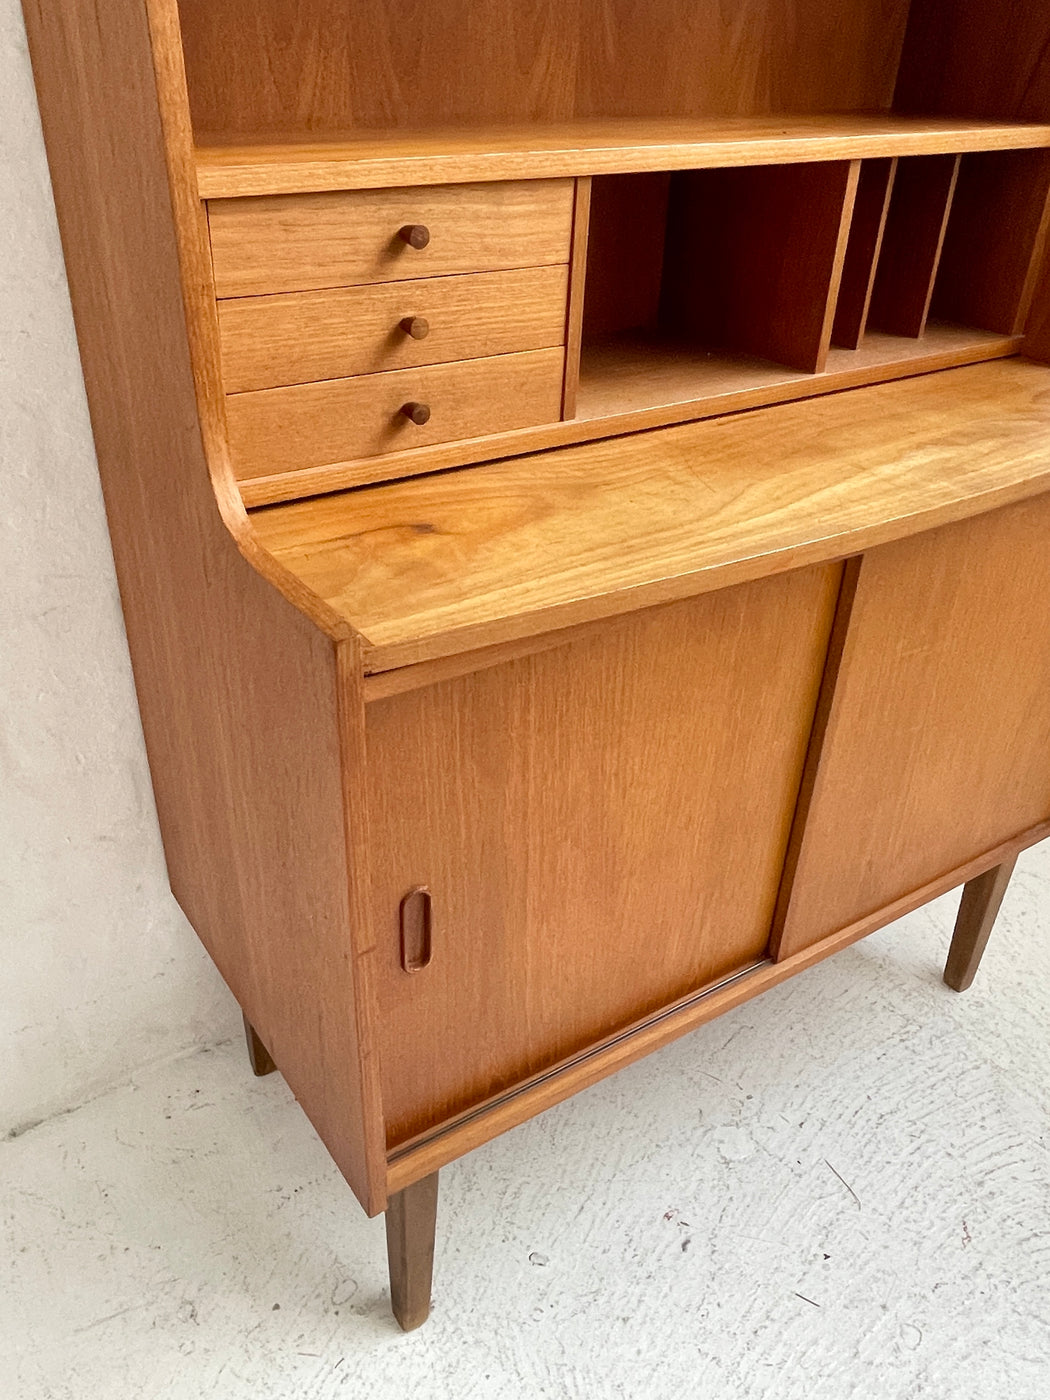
<point x="411" y="1218"/>
<point x="257" y="1051"/>
<point x="980" y="903"/>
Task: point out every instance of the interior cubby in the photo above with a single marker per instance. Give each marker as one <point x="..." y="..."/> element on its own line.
<point x="717" y="268"/>
<point x="955" y="238"/>
<point x="916" y="222"/>
<point x="714" y="289"/>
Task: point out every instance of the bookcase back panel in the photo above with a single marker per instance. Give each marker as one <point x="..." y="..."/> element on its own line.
<point x="279" y="66"/>
<point x="976" y="58"/>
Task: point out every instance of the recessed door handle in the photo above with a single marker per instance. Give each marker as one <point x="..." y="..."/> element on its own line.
<point x="417" y="929"/>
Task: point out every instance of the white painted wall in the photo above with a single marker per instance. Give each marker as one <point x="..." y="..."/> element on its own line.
<point x="99" y="971"/>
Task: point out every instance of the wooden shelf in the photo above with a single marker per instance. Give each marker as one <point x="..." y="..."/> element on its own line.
<point x="434" y="566"/>
<point x="372" y="159"/>
<point x="633" y="374"/>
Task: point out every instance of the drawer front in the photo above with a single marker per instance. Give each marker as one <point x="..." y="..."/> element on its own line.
<point x="341" y="420"/>
<point x="294" y="243"/>
<point x="304" y="336"/>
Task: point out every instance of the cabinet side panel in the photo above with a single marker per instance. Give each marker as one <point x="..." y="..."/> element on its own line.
<point x="242" y="697"/>
<point x="937" y="748"/>
<point x="601" y="827"/>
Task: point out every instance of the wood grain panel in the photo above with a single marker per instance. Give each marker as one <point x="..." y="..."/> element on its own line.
<point x="581" y="222"/>
<point x="630" y="383"/>
<point x="374" y="159"/>
<point x="995" y="241"/>
<point x="271" y="65"/>
<point x="277" y="65"/>
<point x="429" y="1151"/>
<point x="862" y="253"/>
<point x="256" y="806"/>
<point x="304" y="336"/>
<point x="937" y="746"/>
<point x="337" y="420"/>
<point x="566" y="810"/>
<point x="971" y="58"/>
<point x="516" y="547"/>
<point x="625" y="253"/>
<point x="754" y="258"/>
<point x="300" y="242"/>
<point x="912" y="243"/>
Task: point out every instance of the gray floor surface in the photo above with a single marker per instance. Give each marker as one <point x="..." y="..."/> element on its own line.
<point x="839" y="1190"/>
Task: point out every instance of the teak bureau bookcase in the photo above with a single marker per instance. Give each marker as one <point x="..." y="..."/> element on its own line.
<point x="579" y="478"/>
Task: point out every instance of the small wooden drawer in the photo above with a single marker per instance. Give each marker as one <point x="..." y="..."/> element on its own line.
<point x="341" y="420"/>
<point x="295" y="243"/>
<point x="303" y="336"/>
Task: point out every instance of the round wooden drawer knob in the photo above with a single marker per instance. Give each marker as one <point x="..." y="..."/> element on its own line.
<point x="418" y="413"/>
<point x="415" y="235"/>
<point x="418" y="327"/>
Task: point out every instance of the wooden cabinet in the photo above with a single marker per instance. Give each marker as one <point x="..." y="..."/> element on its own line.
<point x="539" y="653"/>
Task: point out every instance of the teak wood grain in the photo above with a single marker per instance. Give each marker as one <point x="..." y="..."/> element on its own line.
<point x="601" y="830"/>
<point x="938" y="740"/>
<point x="373" y="159"/>
<point x="429" y="1151"/>
<point x="611" y="805"/>
<point x="282" y="65"/>
<point x="305" y="336"/>
<point x="976" y="59"/>
<point x="515" y="548"/>
<point x="630" y="383"/>
<point x="920" y="207"/>
<point x="862" y="253"/>
<point x="581" y="222"/>
<point x="995" y="240"/>
<point x="255" y="806"/>
<point x="301" y="242"/>
<point x="411" y="1219"/>
<point x="336" y="420"/>
<point x="625" y="252"/>
<point x="754" y="258"/>
<point x="978" y="910"/>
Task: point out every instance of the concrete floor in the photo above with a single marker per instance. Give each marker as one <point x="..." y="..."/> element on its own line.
<point x="841" y="1189"/>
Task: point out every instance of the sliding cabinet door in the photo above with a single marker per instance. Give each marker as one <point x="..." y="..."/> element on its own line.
<point x="600" y="827"/>
<point x="936" y="747"/>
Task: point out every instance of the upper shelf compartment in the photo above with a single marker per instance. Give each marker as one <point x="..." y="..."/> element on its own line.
<point x="375" y="159"/>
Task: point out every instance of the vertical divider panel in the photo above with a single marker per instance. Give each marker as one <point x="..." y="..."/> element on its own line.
<point x="755" y="256"/>
<point x="581" y="219"/>
<point x="995" y="240"/>
<point x="911" y="247"/>
<point x="862" y="252"/>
